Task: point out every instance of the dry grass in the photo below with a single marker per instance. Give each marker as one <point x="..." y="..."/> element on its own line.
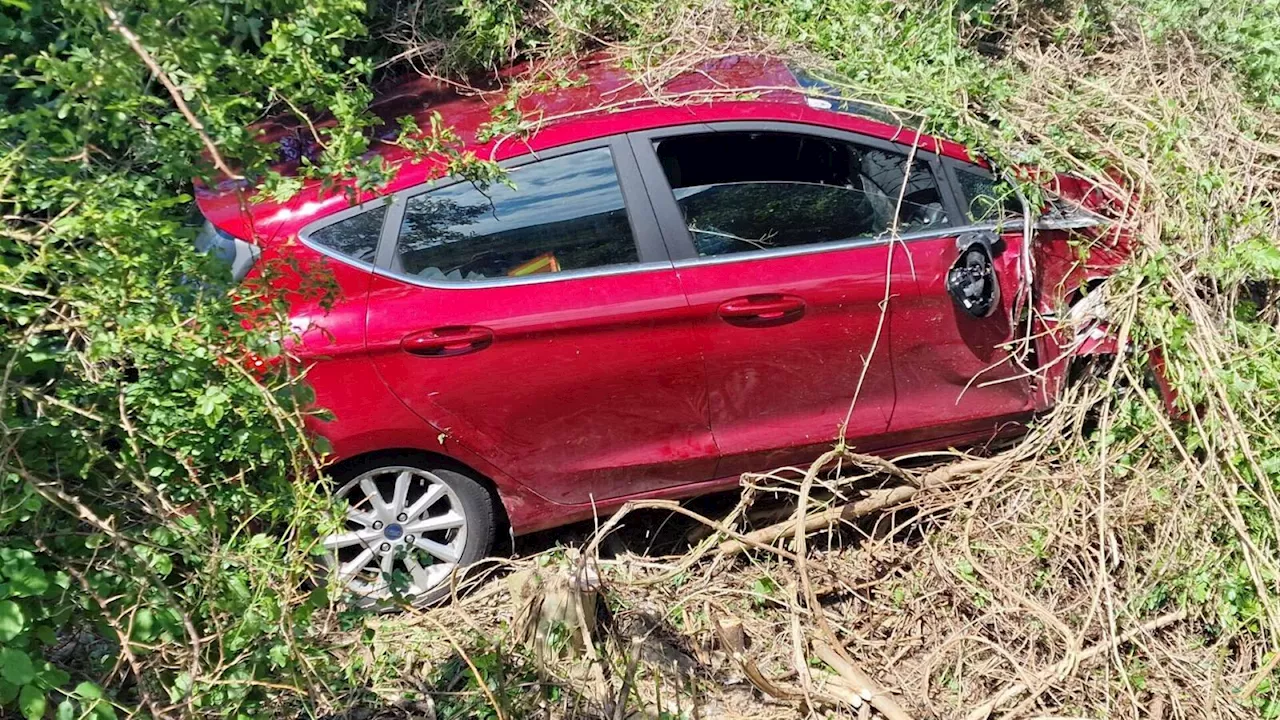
<point x="1020" y="591"/>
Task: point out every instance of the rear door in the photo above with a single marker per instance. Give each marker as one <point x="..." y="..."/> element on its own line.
<point x="779" y="236"/>
<point x="543" y="327"/>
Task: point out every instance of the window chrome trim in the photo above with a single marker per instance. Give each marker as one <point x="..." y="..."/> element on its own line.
<point x="838" y="245"/>
<point x="943" y="169"/>
<point x="537" y="279"/>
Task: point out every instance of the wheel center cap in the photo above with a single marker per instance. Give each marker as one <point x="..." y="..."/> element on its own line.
<point x="393" y="532"/>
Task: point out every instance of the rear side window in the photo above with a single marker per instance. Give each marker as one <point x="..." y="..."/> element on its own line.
<point x="355" y="237"/>
<point x="563" y="213"/>
<point x="985" y="198"/>
<point x="745" y="191"/>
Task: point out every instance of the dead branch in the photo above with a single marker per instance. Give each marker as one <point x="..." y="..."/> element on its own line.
<point x="874" y="501"/>
<point x="675" y="507"/>
<point x="132" y="39"/>
<point x="861" y="683"/>
<point x="733" y="641"/>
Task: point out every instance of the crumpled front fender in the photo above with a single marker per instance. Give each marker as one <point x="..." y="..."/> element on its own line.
<point x="1082" y="237"/>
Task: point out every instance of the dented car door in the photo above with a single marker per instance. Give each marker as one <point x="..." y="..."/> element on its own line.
<point x="958" y="357"/>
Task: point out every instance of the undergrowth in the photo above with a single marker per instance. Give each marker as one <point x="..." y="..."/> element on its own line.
<point x="146" y="479"/>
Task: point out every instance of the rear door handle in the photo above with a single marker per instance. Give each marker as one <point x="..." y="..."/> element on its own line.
<point x="448" y="341"/>
<point x="762" y="310"/>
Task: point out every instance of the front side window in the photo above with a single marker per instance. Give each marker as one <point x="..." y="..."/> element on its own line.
<point x="563" y="213"/>
<point x="355" y="237"/>
<point x="985" y="198"/>
<point x="745" y="191"/>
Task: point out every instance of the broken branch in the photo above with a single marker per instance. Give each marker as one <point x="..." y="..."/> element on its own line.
<point x="861" y="683"/>
<point x="132" y="39"/>
<point x="875" y="501"/>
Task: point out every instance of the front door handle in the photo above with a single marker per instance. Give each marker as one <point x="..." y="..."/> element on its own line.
<point x="448" y="341"/>
<point x="762" y="310"/>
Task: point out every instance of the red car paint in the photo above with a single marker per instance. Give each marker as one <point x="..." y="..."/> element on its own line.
<point x="576" y="394"/>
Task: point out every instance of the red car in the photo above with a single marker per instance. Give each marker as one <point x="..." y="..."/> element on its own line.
<point x="669" y="294"/>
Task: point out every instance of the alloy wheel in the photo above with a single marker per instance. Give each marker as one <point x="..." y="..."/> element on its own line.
<point x="405" y="533"/>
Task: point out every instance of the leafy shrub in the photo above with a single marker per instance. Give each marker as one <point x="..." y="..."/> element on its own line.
<point x="145" y="475"/>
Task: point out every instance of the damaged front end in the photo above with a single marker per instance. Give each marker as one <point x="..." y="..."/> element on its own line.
<point x="1082" y="237"/>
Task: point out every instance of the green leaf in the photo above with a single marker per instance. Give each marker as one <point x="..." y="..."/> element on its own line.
<point x="31" y="702"/>
<point x="8" y="691"/>
<point x="16" y="667"/>
<point x="91" y="696"/>
<point x="52" y="677"/>
<point x="181" y="686"/>
<point x="25" y="577"/>
<point x="144" y="625"/>
<point x="104" y="710"/>
<point x="764" y="586"/>
<point x="11" y="620"/>
<point x="29" y="581"/>
<point x="279" y="655"/>
<point x="66" y="710"/>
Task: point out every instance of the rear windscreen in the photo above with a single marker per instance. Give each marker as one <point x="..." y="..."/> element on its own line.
<point x="237" y="255"/>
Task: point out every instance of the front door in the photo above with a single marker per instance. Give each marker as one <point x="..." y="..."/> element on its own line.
<point x="781" y="237"/>
<point x="544" y="328"/>
<point x="956" y="366"/>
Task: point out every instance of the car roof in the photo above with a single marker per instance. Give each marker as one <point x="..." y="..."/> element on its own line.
<point x="596" y="91"/>
<point x="557" y="92"/>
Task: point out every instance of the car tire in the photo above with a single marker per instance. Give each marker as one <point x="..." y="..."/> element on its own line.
<point x="395" y="552"/>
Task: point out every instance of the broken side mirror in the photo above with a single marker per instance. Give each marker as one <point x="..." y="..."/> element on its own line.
<point x="972" y="278"/>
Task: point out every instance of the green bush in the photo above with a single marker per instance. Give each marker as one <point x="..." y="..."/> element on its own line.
<point x="145" y="475"/>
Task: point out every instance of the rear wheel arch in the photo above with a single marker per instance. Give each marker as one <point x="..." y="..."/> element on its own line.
<point x="352" y="466"/>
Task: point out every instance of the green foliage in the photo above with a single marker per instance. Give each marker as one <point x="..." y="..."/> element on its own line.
<point x="152" y="490"/>
<point x="506" y="675"/>
<point x="763" y="589"/>
<point x="1245" y="33"/>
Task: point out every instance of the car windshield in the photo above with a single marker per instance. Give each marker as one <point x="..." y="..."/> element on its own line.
<point x="827" y="95"/>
